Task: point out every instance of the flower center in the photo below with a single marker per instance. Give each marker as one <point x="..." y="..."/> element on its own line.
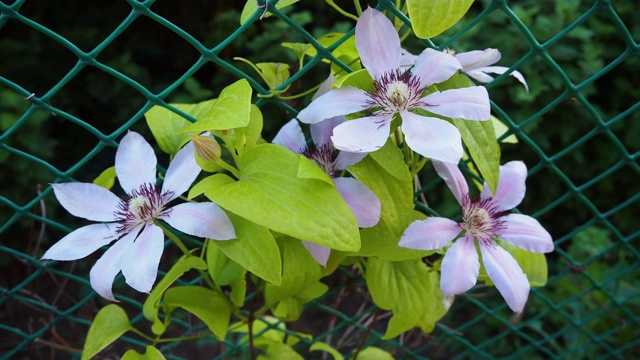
<point x="145" y="204"/>
<point x="395" y="91"/>
<point x="323" y="157"/>
<point x="481" y="219"/>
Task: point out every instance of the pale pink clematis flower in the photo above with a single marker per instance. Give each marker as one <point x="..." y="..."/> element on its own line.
<point x="396" y="91"/>
<point x="130" y="220"/>
<point x="363" y="202"/>
<point x="482" y="222"/>
<point x="476" y="65"/>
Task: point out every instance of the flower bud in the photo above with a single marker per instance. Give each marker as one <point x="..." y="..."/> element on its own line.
<point x="206" y="147"/>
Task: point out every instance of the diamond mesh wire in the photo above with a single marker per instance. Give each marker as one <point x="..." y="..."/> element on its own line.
<point x="577" y="132"/>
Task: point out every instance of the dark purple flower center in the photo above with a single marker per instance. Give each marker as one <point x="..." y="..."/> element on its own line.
<point x="481" y="219"/>
<point x="323" y="157"/>
<point x="142" y="207"/>
<point x="395" y="91"/>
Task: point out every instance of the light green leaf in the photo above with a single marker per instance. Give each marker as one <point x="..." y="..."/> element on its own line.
<point x="374" y="353"/>
<point x="107" y="178"/>
<point x="360" y="79"/>
<point x="408" y="288"/>
<point x="251" y="6"/>
<point x="300" y="49"/>
<point x="255" y="249"/>
<point x="532" y="264"/>
<point x="308" y="169"/>
<point x="151" y="353"/>
<point x="431" y="17"/>
<point x="226" y="272"/>
<point x="230" y="110"/>
<point x="152" y="304"/>
<point x="502" y="129"/>
<point x="269" y="193"/>
<point x="209" y="306"/>
<point x="480" y="138"/>
<point x="276" y="351"/>
<point x="254" y="129"/>
<point x="274" y="73"/>
<point x="208" y="183"/>
<point x="320" y="346"/>
<point x="165" y="125"/>
<point x="108" y="325"/>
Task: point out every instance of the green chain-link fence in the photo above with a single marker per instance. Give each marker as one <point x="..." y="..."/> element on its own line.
<point x="73" y="80"/>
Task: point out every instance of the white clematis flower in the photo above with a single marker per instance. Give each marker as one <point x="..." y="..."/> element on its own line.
<point x="398" y="91"/>
<point x="476" y="65"/>
<point x="130" y="220"/>
<point x="482" y="222"/>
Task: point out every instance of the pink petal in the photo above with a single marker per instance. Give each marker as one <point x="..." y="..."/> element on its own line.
<point x="204" y="219"/>
<point x="502" y="70"/>
<point x="291" y="137"/>
<point x="432" y="138"/>
<point x="88" y="201"/>
<point x="478" y="75"/>
<point x="135" y="162"/>
<point x="321" y="132"/>
<point x="182" y="171"/>
<point x="526" y="232"/>
<point x="460" y="267"/>
<point x="343" y="101"/>
<point x="319" y="253"/>
<point x="108" y="266"/>
<point x="433" y="67"/>
<point x="366" y="134"/>
<point x="454" y="179"/>
<point x="507" y="276"/>
<point x="346" y="159"/>
<point x="511" y="186"/>
<point x="475" y="59"/>
<point x="81" y="242"/>
<point x="377" y="42"/>
<point x="363" y="202"/>
<point x="429" y="234"/>
<point x="141" y="259"/>
<point x="470" y="103"/>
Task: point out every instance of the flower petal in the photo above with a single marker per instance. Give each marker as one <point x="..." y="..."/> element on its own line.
<point x="432" y="137"/>
<point x="511" y="186"/>
<point x="182" y="171"/>
<point x="502" y="70"/>
<point x="478" y="75"/>
<point x="346" y="159"/>
<point x="81" y="242"/>
<point x="470" y="103"/>
<point x="460" y="267"/>
<point x="507" y="276"/>
<point x="135" y="162"/>
<point x="319" y="253"/>
<point x="88" y="201"/>
<point x="429" y="234"/>
<point x="475" y="59"/>
<point x="321" y="132"/>
<point x="291" y="137"/>
<point x="366" y="134"/>
<point x="363" y="202"/>
<point x="343" y="101"/>
<point x="526" y="232"/>
<point x="377" y="42"/>
<point x="454" y="179"/>
<point x="433" y="67"/>
<point x="204" y="219"/>
<point x="108" y="266"/>
<point x="141" y="259"/>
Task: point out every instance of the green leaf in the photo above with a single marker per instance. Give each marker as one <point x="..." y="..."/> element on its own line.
<point x="277" y="351"/>
<point x="480" y="138"/>
<point x="209" y="306"/>
<point x="270" y="193"/>
<point x="300" y="49"/>
<point x="274" y="73"/>
<point x="360" y="79"/>
<point x="501" y="129"/>
<point x="151" y="353"/>
<point x="431" y="17"/>
<point x="226" y="272"/>
<point x="232" y="109"/>
<point x="410" y="289"/>
<point x="165" y="125"/>
<point x="255" y="249"/>
<point x="152" y="304"/>
<point x="254" y="129"/>
<point x="107" y="178"/>
<point x="251" y="6"/>
<point x="320" y="346"/>
<point x="108" y="325"/>
<point x="208" y="183"/>
<point x="374" y="353"/>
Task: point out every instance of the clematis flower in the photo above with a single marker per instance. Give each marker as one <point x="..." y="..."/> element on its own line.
<point x="482" y="222"/>
<point x="363" y="202"/>
<point x="476" y="65"/>
<point x="396" y="91"/>
<point x="130" y="220"/>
